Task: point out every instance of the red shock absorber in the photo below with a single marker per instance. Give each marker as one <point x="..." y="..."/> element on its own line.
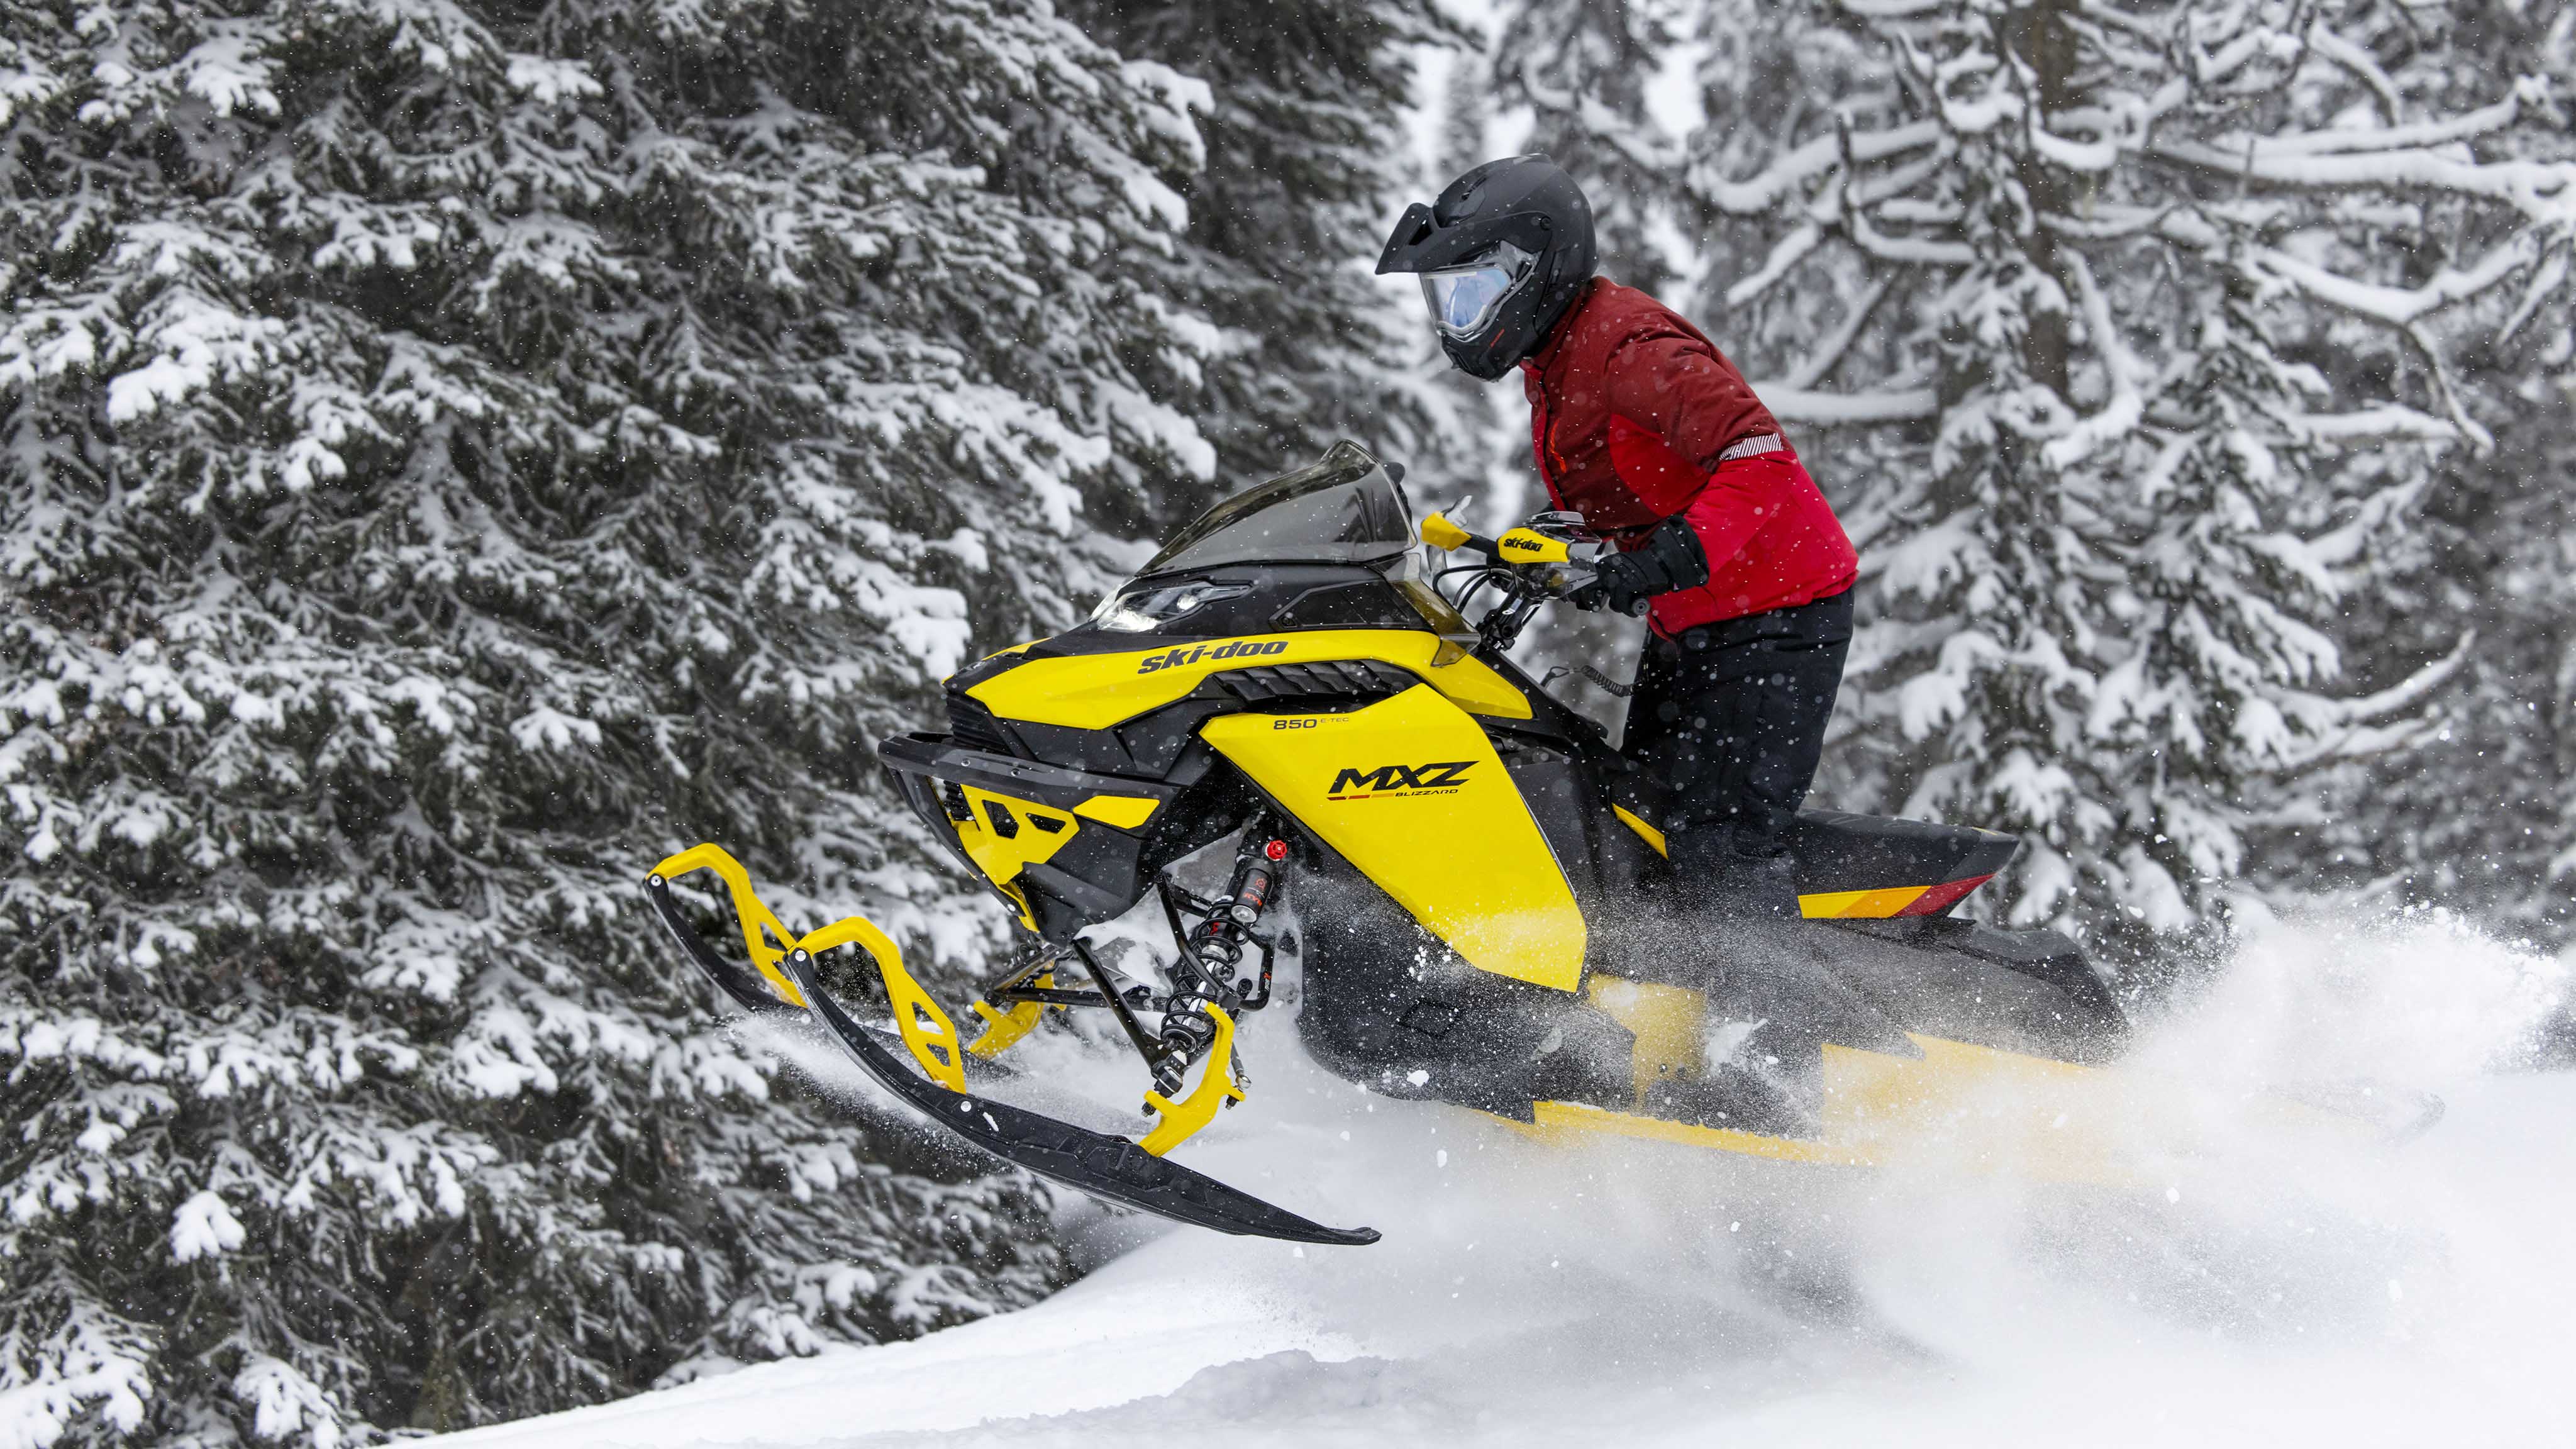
<point x="1216" y="953"/>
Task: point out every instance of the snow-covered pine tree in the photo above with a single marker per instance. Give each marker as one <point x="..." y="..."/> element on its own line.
<point x="455" y="453"/>
<point x="2173" y="282"/>
<point x="1285" y="221"/>
<point x="1581" y="68"/>
<point x="2481" y="818"/>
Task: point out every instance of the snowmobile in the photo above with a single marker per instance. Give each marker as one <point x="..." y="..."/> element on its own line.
<point x="1483" y="906"/>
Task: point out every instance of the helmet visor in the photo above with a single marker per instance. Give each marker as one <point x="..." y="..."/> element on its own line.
<point x="1464" y="299"/>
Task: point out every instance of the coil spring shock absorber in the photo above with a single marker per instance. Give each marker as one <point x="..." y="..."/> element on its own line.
<point x="1212" y="970"/>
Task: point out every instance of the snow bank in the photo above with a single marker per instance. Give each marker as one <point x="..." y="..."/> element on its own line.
<point x="2278" y="1286"/>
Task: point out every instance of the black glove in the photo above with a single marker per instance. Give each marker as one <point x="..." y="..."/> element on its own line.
<point x="1672" y="559"/>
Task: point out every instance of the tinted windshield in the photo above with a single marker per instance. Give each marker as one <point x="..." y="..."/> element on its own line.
<point x="1344" y="509"/>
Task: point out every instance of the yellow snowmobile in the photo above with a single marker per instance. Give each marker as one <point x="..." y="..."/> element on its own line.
<point x="1477" y="876"/>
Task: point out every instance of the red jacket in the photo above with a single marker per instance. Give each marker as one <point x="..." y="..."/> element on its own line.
<point x="1630" y="408"/>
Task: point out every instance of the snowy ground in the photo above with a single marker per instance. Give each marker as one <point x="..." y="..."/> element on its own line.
<point x="2268" y="1291"/>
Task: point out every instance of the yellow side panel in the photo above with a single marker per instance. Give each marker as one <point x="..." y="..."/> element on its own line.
<point x="1000" y="856"/>
<point x="1972" y="1107"/>
<point x="1095" y="691"/>
<point x="1410" y="791"/>
<point x="1569" y="1117"/>
<point x="1124" y="811"/>
<point x="1860" y="905"/>
<point x="1473" y="686"/>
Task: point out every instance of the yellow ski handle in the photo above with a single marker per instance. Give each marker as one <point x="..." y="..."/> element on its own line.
<point x="748" y="913"/>
<point x="1519" y="546"/>
<point x="927" y="1032"/>
<point x="1216" y="1083"/>
<point x="1440" y="533"/>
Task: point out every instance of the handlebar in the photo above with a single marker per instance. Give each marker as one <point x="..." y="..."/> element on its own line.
<point x="1528" y="566"/>
<point x="1519" y="546"/>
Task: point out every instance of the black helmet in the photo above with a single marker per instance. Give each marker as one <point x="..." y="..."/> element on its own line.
<point x="1503" y="252"/>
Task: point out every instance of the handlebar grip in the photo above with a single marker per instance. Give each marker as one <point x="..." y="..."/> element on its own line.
<point x="1524" y="546"/>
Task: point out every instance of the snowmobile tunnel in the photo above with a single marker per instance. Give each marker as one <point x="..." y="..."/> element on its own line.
<point x="1854" y="867"/>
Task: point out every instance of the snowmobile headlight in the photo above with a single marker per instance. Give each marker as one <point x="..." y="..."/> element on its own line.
<point x="1143" y="613"/>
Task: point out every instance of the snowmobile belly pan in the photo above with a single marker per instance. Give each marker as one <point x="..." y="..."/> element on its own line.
<point x="1072" y="834"/>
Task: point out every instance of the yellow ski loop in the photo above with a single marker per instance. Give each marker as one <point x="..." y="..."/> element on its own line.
<point x="757" y="921"/>
<point x="1182" y="1119"/>
<point x="926" y="1030"/>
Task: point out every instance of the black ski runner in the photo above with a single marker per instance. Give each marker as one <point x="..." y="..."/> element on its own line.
<point x="748" y="990"/>
<point x="1093" y="1162"/>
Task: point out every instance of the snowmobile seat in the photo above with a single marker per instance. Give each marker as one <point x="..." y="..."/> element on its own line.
<point x="1859" y="865"/>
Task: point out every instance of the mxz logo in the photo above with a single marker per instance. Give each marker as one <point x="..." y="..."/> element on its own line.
<point x="1443" y="778"/>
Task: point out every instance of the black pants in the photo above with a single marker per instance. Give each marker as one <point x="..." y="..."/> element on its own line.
<point x="1733" y="715"/>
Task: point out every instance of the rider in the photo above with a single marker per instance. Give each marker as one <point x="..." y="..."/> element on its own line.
<point x="1645" y="429"/>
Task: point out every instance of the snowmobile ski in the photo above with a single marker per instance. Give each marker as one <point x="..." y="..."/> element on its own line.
<point x="1092" y="1162"/>
<point x="1097" y="1163"/>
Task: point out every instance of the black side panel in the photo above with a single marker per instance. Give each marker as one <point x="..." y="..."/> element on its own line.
<point x="2045" y="956"/>
<point x="1388" y="1005"/>
<point x="973" y="726"/>
<point x="1157" y="741"/>
<point x="1554" y="792"/>
<point x="1839" y="851"/>
<point x="1050" y="785"/>
<point x="1078" y="749"/>
<point x="1866" y="984"/>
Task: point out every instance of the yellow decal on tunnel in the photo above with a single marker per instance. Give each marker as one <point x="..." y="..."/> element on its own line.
<point x="1410" y="791"/>
<point x="1096" y="691"/>
<point x="1860" y="905"/>
<point x="1970" y="1107"/>
<point x="1645" y="832"/>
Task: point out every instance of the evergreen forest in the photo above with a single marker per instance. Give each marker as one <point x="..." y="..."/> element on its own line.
<point x="454" y="454"/>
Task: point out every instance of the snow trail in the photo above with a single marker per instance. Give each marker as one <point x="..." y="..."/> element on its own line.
<point x="2281" y="1285"/>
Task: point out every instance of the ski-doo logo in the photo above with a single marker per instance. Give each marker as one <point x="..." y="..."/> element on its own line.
<point x="1436" y="779"/>
<point x="1232" y="649"/>
<point x="1521" y="543"/>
